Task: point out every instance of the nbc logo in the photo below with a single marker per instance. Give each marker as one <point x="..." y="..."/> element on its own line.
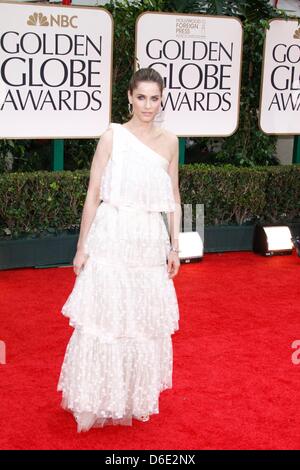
<point x="62" y="21"/>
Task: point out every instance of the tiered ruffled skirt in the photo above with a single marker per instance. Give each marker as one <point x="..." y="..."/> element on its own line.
<point x="124" y="309"/>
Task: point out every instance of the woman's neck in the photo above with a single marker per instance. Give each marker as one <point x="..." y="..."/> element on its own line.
<point x="140" y="126"/>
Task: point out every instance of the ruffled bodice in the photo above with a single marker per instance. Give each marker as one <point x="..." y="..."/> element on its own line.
<point x="136" y="175"/>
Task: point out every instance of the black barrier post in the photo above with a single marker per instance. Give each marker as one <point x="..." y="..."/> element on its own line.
<point x="58" y="144"/>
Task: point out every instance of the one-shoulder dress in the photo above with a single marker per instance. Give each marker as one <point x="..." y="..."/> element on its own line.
<point x="123" y="306"/>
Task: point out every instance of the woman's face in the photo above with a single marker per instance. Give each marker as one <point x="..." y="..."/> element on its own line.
<point x="146" y="100"/>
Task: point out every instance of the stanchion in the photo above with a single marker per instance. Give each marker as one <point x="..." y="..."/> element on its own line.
<point x="296" y="150"/>
<point x="58" y="144"/>
<point x="181" y="150"/>
<point x="57" y="154"/>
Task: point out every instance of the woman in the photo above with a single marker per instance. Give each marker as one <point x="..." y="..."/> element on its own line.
<point x="123" y="306"/>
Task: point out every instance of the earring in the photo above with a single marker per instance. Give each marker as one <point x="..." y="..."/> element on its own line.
<point x="159" y="115"/>
<point x="161" y="109"/>
<point x="130" y="108"/>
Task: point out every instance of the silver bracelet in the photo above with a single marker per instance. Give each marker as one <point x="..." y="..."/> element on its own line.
<point x="174" y="249"/>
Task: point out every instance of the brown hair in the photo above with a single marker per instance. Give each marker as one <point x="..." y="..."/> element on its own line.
<point x="145" y="75"/>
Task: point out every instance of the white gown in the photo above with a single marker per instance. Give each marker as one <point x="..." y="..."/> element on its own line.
<point x="123" y="306"/>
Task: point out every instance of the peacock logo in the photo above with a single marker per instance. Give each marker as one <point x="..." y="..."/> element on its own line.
<point x="297" y="34"/>
<point x="37" y="19"/>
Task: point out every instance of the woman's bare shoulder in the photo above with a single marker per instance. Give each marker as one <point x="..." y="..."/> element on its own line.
<point x="169" y="137"/>
<point x="104" y="146"/>
<point x="106" y="136"/>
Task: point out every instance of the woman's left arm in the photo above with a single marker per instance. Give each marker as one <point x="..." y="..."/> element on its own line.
<point x="174" y="218"/>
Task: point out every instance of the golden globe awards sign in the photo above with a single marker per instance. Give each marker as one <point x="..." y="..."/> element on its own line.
<point x="199" y="58"/>
<point x="280" y="85"/>
<point x="55" y="71"/>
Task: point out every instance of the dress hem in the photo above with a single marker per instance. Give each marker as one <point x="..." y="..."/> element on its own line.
<point x="94" y="421"/>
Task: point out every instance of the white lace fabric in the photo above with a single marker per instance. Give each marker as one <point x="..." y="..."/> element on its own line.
<point x="123" y="306"/>
<point x="136" y="175"/>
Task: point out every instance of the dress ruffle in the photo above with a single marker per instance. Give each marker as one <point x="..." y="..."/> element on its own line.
<point x="133" y="302"/>
<point x="128" y="235"/>
<point x="116" y="386"/>
<point x="135" y="177"/>
<point x="124" y="278"/>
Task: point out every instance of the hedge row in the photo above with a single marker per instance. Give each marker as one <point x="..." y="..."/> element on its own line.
<point x="41" y="203"/>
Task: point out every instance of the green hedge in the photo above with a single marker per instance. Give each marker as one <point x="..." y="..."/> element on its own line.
<point x="42" y="202"/>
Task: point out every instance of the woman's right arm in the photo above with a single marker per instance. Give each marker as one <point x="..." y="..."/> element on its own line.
<point x="93" y="196"/>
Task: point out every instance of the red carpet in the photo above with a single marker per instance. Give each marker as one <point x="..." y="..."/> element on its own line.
<point x="234" y="383"/>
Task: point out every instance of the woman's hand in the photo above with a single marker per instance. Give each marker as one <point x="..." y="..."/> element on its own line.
<point x="173" y="264"/>
<point x="79" y="261"/>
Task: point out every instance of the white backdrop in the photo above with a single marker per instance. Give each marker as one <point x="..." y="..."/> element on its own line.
<point x="280" y="85"/>
<point x="199" y="57"/>
<point x="56" y="66"/>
